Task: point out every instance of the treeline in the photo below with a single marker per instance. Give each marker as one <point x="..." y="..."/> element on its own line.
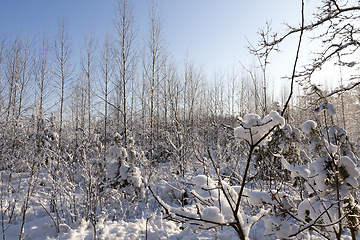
<point x="124" y="84"/>
<point x="120" y="83"/>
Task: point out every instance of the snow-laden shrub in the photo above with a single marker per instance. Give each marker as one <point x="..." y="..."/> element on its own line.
<point x="123" y="176"/>
<point x="213" y="206"/>
<point x="285" y="141"/>
<point x="253" y="129"/>
<point x="328" y="196"/>
<point x="217" y="203"/>
<point x="322" y="204"/>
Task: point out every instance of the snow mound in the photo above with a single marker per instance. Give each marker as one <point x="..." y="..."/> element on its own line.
<point x="349" y="166"/>
<point x="307" y="126"/>
<point x="253" y="128"/>
<point x="213" y="214"/>
<point x="326" y="106"/>
<point x="258" y="198"/>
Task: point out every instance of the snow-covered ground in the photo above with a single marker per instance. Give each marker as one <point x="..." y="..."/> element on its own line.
<point x="122" y="196"/>
<point x="40" y="226"/>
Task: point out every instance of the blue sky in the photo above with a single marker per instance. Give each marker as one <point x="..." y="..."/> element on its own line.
<point x="212" y="32"/>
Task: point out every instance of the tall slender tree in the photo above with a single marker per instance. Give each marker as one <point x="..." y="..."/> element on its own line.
<point x="25" y="72"/>
<point x="63" y="69"/>
<point x="88" y="71"/>
<point x="2" y="57"/>
<point x="124" y="54"/>
<point x="106" y="74"/>
<point x="42" y="74"/>
<point x="12" y="74"/>
<point x="41" y="71"/>
<point x="153" y="63"/>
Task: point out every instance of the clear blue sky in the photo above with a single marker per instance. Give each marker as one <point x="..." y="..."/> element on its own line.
<point x="212" y="32"/>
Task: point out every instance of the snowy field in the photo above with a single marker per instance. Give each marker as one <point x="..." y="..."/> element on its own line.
<point x="120" y="197"/>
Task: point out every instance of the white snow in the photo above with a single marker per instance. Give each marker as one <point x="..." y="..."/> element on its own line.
<point x="296" y="171"/>
<point x="117" y="152"/>
<point x="331" y="109"/>
<point x="332" y="148"/>
<point x="307" y="126"/>
<point x="213" y="214"/>
<point x="282" y="229"/>
<point x="258" y="198"/>
<point x="349" y="166"/>
<point x="253" y="129"/>
<point x="326" y="106"/>
<point x="303" y="207"/>
<point x="318" y="173"/>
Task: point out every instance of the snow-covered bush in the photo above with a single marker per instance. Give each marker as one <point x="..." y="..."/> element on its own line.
<point x="218" y="204"/>
<point x="255" y="130"/>
<point x="284" y="140"/>
<point x="320" y="200"/>
<point x="327" y="201"/>
<point x="123" y="176"/>
<point x="213" y="206"/>
<point x="43" y="137"/>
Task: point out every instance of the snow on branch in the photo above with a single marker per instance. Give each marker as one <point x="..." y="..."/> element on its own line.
<point x="253" y="129"/>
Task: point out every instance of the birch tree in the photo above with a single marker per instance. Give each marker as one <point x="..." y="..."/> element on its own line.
<point x="63" y="68"/>
<point x="124" y="55"/>
<point x="104" y="88"/>
<point x="88" y="71"/>
<point x="153" y="62"/>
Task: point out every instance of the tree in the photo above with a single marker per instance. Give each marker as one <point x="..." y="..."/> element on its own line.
<point x="13" y="72"/>
<point x="42" y="73"/>
<point x="88" y="69"/>
<point x="334" y="25"/>
<point x="153" y="61"/>
<point x="106" y="74"/>
<point x="2" y="59"/>
<point x="124" y="55"/>
<point x="63" y="70"/>
<point x="218" y="204"/>
<point x="41" y="76"/>
<point x="25" y="69"/>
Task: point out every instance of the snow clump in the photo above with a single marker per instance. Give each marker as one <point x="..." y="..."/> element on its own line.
<point x="297" y="171"/>
<point x="330" y="147"/>
<point x="307" y="126"/>
<point x="350" y="166"/>
<point x="325" y="106"/>
<point x="213" y="214"/>
<point x="252" y="128"/>
<point x="118" y="152"/>
<point x="258" y="198"/>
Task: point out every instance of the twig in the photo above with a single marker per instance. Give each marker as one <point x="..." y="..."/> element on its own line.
<point x="296" y="59"/>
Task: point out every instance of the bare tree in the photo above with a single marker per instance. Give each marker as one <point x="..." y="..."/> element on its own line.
<point x="42" y="73"/>
<point x="231" y="90"/>
<point x="334" y="26"/>
<point x="25" y="76"/>
<point x="124" y="54"/>
<point x="193" y="81"/>
<point x="63" y="69"/>
<point x="106" y="74"/>
<point x="63" y="72"/>
<point x="2" y="57"/>
<point x="153" y="62"/>
<point x="18" y="74"/>
<point x="88" y="69"/>
<point x="12" y="76"/>
<point x="41" y="76"/>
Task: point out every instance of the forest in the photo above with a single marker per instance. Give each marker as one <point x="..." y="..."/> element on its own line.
<point x="126" y="143"/>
